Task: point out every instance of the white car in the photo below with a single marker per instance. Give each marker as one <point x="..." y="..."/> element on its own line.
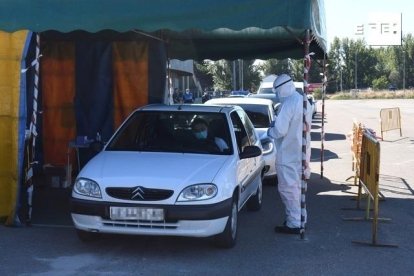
<point x="154" y="177"/>
<point x="261" y="112"/>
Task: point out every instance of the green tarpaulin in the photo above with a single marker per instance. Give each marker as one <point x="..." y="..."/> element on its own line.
<point x="193" y="29"/>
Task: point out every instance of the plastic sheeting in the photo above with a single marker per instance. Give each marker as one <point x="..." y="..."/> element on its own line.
<point x="12" y="118"/>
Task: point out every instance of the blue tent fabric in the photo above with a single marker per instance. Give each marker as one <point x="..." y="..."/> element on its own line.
<point x="157" y="72"/>
<point x="94" y="86"/>
<point x="27" y="88"/>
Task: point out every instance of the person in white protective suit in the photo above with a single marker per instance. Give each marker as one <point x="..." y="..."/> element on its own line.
<point x="287" y="130"/>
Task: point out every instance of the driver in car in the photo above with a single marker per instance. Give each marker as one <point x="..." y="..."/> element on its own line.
<point x="200" y="130"/>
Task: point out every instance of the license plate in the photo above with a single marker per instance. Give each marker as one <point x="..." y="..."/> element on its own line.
<point x="136" y="213"/>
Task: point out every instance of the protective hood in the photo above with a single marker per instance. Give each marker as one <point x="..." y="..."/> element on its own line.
<point x="283" y="86"/>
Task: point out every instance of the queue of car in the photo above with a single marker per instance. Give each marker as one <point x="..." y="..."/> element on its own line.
<point x="157" y="175"/>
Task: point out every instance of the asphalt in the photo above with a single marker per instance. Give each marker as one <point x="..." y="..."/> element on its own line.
<point x="50" y="246"/>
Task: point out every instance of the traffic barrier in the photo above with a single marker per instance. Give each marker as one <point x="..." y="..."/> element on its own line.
<point x="369" y="181"/>
<point x="390" y="120"/>
<point x="357" y="130"/>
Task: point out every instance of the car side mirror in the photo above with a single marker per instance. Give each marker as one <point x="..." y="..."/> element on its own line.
<point x="276" y="107"/>
<point x="250" y="151"/>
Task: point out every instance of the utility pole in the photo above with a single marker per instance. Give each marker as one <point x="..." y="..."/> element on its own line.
<point x="356" y="69"/>
<point x="403" y="69"/>
<point x="241" y="75"/>
<point x="234" y="75"/>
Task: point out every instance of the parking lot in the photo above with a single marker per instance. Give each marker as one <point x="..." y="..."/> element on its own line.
<point x="50" y="246"/>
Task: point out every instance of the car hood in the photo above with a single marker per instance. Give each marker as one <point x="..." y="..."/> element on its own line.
<point x="153" y="169"/>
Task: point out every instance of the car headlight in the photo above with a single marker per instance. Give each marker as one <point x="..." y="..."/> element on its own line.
<point x="87" y="187"/>
<point x="198" y="192"/>
<point x="267" y="145"/>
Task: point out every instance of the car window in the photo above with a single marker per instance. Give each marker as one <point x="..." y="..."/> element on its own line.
<point x="239" y="131"/>
<point x="258" y="114"/>
<point x="251" y="133"/>
<point x="171" y="131"/>
<point x="267" y="90"/>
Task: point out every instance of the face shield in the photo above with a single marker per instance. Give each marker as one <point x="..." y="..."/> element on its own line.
<point x="282" y="86"/>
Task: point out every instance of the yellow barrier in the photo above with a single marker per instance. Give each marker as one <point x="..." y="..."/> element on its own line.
<point x="369" y="181"/>
<point x="390" y="120"/>
<point x="357" y="129"/>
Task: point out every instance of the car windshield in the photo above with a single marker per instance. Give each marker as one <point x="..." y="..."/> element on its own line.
<point x="173" y="131"/>
<point x="258" y="114"/>
<point x="267" y="90"/>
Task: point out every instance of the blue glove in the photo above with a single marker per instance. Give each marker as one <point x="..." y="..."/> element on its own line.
<point x="272" y="124"/>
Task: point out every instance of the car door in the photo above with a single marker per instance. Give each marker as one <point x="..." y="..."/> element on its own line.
<point x="253" y="139"/>
<point x="244" y="166"/>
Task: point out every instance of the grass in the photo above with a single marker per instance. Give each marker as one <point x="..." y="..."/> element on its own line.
<point x="383" y="94"/>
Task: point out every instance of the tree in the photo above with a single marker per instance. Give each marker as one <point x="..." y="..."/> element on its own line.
<point x="380" y="83"/>
<point x="221" y="72"/>
<point x="203" y="76"/>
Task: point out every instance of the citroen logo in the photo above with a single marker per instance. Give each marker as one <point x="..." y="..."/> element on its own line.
<point x="138" y="193"/>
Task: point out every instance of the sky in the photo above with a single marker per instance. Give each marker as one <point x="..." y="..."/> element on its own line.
<point x="342" y="16"/>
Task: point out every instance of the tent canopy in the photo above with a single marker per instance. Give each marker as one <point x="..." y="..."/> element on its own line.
<point x="192" y="29"/>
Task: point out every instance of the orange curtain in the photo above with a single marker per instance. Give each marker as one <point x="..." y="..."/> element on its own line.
<point x="130" y="63"/>
<point x="58" y="92"/>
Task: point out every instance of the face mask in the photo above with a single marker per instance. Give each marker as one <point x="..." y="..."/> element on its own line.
<point x="201" y="135"/>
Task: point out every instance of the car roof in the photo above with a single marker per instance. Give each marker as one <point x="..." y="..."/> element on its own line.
<point x="188" y="108"/>
<point x="245" y="100"/>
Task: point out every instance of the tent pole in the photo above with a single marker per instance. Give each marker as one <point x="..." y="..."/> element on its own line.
<point x="323" y="113"/>
<point x="33" y="134"/>
<point x="306" y="128"/>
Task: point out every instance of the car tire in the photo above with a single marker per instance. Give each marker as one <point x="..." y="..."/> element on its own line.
<point x="271" y="181"/>
<point x="86" y="236"/>
<point x="227" y="239"/>
<point x="255" y="202"/>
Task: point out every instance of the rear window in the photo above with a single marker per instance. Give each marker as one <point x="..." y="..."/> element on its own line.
<point x="265" y="91"/>
<point x="258" y="114"/>
<point x="161" y="131"/>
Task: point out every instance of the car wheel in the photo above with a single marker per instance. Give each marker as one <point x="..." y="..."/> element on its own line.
<point x="86" y="236"/>
<point x="255" y="202"/>
<point x="227" y="239"/>
<point x="271" y="181"/>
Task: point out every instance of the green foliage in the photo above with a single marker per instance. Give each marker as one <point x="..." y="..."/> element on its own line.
<point x="203" y="76"/>
<point x="317" y="94"/>
<point x="357" y="65"/>
<point x="221" y="72"/>
<point x="383" y="94"/>
<point x="341" y="96"/>
<point x="380" y="83"/>
<point x="352" y="64"/>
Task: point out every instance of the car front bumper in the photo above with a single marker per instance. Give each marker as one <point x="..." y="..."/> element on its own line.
<point x="180" y="220"/>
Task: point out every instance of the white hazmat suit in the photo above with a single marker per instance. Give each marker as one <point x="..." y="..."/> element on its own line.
<point x="287" y="132"/>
